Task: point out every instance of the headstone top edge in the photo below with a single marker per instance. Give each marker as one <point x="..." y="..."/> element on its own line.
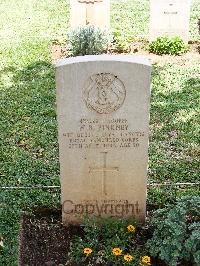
<point x="99" y="58"/>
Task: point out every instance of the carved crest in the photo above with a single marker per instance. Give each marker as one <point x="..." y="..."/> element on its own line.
<point x="104" y="93"/>
<point x="89" y="1"/>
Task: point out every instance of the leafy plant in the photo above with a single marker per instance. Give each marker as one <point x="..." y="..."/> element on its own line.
<point x="121" y="40"/>
<point x="88" y="40"/>
<point x="168" y="45"/>
<point x="176" y="234"/>
<point x="111" y="242"/>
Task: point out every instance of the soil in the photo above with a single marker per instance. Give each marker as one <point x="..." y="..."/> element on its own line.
<point x="185" y="59"/>
<point x="45" y="241"/>
<point x="59" y="51"/>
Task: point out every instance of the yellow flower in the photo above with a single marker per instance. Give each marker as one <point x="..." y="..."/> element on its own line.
<point x="131" y="228"/>
<point x="146" y="260"/>
<point x="117" y="251"/>
<point x="87" y="251"/>
<point x="128" y="257"/>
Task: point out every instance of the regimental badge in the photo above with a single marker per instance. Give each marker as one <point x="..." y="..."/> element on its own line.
<point x="104" y="93"/>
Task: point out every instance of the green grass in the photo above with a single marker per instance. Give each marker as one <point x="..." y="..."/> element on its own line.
<point x="29" y="147"/>
<point x="174" y="149"/>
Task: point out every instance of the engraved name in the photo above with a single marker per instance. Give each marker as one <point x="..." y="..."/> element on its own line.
<point x="93" y="133"/>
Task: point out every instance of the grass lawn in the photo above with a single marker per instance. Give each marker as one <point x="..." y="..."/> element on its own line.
<point x="29" y="147"/>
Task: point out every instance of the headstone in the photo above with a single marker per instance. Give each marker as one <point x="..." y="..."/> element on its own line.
<point x="169" y="18"/>
<point x="103" y="119"/>
<point x="90" y="12"/>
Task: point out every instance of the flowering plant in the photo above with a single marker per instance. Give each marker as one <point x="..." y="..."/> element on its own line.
<point x="111" y="242"/>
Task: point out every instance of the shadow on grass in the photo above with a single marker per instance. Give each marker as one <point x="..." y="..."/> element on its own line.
<point x="30" y="149"/>
<point x="174" y="149"/>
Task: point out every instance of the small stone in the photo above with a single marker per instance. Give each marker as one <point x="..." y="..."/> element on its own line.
<point x="50" y="263"/>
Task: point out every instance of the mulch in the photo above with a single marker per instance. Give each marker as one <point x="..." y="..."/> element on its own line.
<point x="44" y="241"/>
<point x="192" y="56"/>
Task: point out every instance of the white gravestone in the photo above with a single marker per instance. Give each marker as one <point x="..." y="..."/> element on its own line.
<point x="103" y="118"/>
<point x="90" y="12"/>
<point x="169" y="18"/>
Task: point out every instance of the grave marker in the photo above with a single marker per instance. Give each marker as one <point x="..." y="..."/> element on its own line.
<point x="169" y="18"/>
<point x="90" y="12"/>
<point x="103" y="118"/>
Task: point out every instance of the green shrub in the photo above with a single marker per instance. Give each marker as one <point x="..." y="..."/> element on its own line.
<point x="167" y="45"/>
<point x="88" y="40"/>
<point x="176" y="236"/>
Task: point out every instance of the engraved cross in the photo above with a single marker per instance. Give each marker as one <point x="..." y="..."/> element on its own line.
<point x="170" y="13"/>
<point x="104" y="170"/>
<point x="88" y="6"/>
